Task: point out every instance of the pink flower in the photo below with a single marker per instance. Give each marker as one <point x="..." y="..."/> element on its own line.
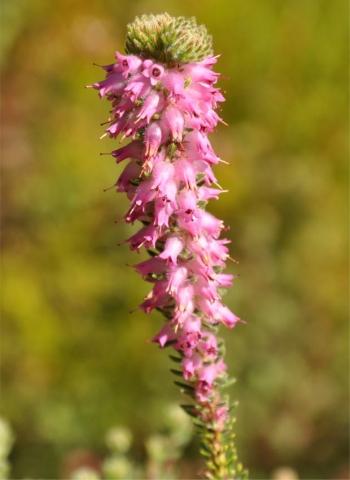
<point x="132" y="150"/>
<point x="163" y="209"/>
<point x="162" y="174"/>
<point x="128" y="63"/>
<point x="172" y="248"/>
<point x="209" y="223"/>
<point x="207" y="193"/>
<point x="184" y="297"/>
<point x="117" y="127"/>
<point x="174" y="83"/>
<point x="224" y="279"/>
<point x="173" y="119"/>
<point x="186" y="172"/>
<point x="168" y="112"/>
<point x="227" y="317"/>
<point x="147" y="236"/>
<point x="190" y="366"/>
<point x="138" y="87"/>
<point x="113" y="84"/>
<point x="207" y="376"/>
<point x="165" y="335"/>
<point x="149" y="107"/>
<point x="199" y="73"/>
<point x="153" y="265"/>
<point x="153" y="71"/>
<point x="158" y="297"/>
<point x="130" y="173"/>
<point x="187" y="200"/>
<point x="198" y="145"/>
<point x="177" y="278"/>
<point x="192" y="325"/>
<point x="152" y="139"/>
<point x="208" y="345"/>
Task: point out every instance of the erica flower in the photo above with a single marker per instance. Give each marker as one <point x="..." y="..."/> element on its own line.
<point x="172" y="248"/>
<point x="164" y="99"/>
<point x="152" y="71"/>
<point x="152" y="139"/>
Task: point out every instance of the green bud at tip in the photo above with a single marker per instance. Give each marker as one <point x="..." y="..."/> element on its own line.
<point x="170" y="40"/>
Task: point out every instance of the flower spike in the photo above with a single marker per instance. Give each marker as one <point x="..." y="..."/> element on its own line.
<point x="164" y="99"/>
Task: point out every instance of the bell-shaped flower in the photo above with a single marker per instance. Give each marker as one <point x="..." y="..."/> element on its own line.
<point x="172" y="249"/>
<point x="173" y="119"/>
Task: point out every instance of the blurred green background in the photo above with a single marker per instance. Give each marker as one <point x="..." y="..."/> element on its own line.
<point x="74" y="359"/>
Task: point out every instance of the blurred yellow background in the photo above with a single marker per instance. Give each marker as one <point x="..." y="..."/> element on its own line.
<point x="74" y="360"/>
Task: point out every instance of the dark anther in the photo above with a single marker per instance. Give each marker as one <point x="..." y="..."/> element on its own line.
<point x="156" y="72"/>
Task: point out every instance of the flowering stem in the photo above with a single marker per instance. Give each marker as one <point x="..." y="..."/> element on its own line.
<point x="164" y="99"/>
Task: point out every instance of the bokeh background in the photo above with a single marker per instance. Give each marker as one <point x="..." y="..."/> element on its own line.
<point x="74" y="359"/>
